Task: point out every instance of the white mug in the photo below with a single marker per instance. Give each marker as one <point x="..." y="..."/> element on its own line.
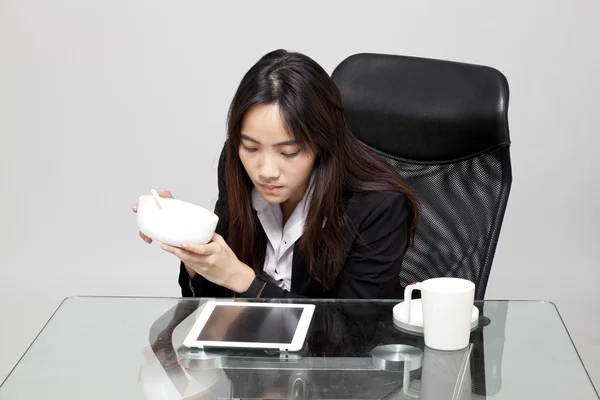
<point x="447" y="311"/>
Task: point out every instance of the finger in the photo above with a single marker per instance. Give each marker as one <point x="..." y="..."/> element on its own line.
<point x="146" y="238"/>
<point x="180" y="253"/>
<point x="202" y="249"/>
<point x="219" y="239"/>
<point x="134" y="208"/>
<point x="165" y="193"/>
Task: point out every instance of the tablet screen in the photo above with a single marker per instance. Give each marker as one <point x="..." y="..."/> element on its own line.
<point x="251" y="324"/>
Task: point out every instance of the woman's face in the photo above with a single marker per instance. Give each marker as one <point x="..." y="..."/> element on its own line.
<point x="272" y="158"/>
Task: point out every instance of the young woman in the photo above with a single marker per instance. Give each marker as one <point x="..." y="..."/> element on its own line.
<point x="305" y="209"/>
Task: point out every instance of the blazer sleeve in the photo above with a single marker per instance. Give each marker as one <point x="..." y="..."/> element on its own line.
<point x="270" y="291"/>
<point x="374" y="260"/>
<point x="200" y="286"/>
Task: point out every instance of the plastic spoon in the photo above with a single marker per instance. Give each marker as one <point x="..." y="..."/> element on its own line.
<point x="157" y="198"/>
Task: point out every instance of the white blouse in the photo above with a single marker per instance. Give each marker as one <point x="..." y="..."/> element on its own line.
<point x="280" y="248"/>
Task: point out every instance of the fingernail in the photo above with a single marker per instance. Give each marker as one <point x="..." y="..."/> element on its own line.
<point x="184" y="245"/>
<point x="162" y="246"/>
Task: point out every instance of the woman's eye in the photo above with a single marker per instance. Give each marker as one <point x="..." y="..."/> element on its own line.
<point x="250" y="149"/>
<point x="290" y="155"/>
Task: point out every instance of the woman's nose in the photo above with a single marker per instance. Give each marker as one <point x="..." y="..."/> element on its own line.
<point x="268" y="169"/>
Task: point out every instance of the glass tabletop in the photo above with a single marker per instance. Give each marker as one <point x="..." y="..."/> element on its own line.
<point x="125" y="347"/>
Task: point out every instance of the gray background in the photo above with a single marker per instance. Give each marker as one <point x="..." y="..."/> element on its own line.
<point x="101" y="101"/>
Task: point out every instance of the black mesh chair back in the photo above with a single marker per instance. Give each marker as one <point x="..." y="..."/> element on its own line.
<point x="443" y="125"/>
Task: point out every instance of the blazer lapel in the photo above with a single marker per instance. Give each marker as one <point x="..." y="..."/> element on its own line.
<point x="301" y="281"/>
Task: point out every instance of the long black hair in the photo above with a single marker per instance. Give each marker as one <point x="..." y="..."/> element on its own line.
<point x="312" y="113"/>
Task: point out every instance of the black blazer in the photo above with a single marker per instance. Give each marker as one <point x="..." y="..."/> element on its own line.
<point x="375" y="243"/>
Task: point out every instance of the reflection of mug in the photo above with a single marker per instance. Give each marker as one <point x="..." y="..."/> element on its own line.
<point x="446" y="375"/>
<point x="447" y="311"/>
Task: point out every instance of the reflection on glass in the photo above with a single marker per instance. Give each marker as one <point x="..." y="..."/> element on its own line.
<point x="251" y="324"/>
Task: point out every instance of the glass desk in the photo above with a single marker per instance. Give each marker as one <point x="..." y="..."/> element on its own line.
<point x="131" y="348"/>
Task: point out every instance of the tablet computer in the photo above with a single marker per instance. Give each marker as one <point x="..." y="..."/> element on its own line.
<point x="227" y="324"/>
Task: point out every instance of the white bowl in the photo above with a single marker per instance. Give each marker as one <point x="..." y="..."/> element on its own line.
<point x="177" y="223"/>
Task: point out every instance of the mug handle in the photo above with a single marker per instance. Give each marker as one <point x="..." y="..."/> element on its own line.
<point x="408" y="297"/>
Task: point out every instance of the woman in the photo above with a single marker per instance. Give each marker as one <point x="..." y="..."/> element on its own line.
<point x="305" y="209"/>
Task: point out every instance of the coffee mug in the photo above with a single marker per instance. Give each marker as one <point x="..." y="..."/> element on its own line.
<point x="447" y="311"/>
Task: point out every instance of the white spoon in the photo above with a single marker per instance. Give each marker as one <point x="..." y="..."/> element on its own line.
<point x="157" y="198"/>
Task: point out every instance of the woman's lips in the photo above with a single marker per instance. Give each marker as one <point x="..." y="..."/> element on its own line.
<point x="271" y="188"/>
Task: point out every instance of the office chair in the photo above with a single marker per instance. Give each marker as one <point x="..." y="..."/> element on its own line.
<point x="443" y="125"/>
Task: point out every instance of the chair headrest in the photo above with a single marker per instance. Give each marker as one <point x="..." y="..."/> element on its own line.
<point x="424" y="110"/>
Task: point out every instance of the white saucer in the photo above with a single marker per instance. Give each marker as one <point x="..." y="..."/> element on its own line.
<point x="416" y="318"/>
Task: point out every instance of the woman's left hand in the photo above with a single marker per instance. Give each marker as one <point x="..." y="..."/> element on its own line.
<point x="216" y="262"/>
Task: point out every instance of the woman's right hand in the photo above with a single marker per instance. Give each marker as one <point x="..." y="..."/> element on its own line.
<point x="162" y="193"/>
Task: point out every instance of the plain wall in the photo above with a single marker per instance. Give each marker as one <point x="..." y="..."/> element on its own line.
<point x="102" y="101"/>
